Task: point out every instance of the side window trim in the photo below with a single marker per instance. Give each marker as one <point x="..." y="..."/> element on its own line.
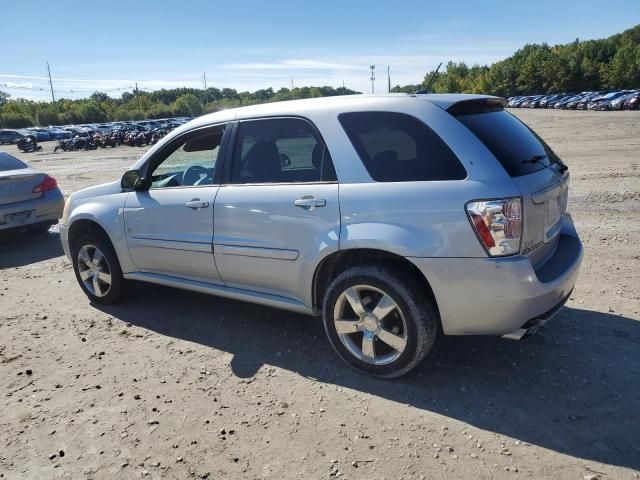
<point x="231" y="146"/>
<point x="158" y="157"/>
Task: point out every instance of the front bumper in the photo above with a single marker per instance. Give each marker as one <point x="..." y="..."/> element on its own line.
<point x="46" y="209"/>
<point x="500" y="296"/>
<point x="64" y="239"/>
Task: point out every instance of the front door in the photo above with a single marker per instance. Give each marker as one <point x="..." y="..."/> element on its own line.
<point x="277" y="214"/>
<point x="169" y="227"/>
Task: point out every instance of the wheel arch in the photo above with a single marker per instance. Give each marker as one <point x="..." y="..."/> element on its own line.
<point x="85" y="225"/>
<point x="337" y="262"/>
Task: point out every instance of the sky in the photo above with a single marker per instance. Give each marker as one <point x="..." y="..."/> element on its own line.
<point x="249" y="45"/>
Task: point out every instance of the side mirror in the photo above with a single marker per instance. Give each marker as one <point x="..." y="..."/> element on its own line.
<point x="131" y="180"/>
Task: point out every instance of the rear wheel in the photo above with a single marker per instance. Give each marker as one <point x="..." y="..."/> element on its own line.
<point x="97" y="269"/>
<point x="379" y="320"/>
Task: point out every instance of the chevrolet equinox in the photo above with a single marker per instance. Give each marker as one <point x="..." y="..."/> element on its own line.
<point x="393" y="217"/>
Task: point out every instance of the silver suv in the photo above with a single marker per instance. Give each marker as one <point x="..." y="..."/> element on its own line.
<point x="394" y="217"/>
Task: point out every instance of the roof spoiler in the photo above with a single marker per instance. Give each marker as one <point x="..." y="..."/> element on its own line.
<point x="477" y="105"/>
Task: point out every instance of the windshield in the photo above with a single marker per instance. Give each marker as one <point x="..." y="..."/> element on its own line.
<point x="7" y="162"/>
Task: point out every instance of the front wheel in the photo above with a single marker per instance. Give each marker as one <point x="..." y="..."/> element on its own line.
<point x="97" y="269"/>
<point x="379" y="320"/>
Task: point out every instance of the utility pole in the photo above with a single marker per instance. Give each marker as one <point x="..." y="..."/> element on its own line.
<point x="388" y="80"/>
<point x="204" y="80"/>
<point x="53" y="98"/>
<point x="373" y="78"/>
<point x="292" y="86"/>
<point x="137" y="99"/>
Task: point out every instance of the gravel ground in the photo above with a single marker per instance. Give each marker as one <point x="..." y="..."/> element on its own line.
<point x="175" y="384"/>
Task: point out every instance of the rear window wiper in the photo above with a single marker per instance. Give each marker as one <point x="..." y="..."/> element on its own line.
<point x="535" y="159"/>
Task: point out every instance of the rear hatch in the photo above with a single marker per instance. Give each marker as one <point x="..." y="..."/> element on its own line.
<point x="541" y="176"/>
<point x="17" y="180"/>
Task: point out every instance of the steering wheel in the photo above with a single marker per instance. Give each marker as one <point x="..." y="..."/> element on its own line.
<point x="192" y="174"/>
<point x="285" y="161"/>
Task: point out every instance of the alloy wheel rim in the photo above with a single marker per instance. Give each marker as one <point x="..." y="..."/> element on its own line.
<point x="94" y="270"/>
<point x="370" y="324"/>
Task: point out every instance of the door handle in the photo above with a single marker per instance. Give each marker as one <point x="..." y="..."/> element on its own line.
<point x="308" y="202"/>
<point x="197" y="204"/>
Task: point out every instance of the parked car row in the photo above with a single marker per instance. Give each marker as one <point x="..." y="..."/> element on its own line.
<point x="65" y="132"/>
<point x="618" y="100"/>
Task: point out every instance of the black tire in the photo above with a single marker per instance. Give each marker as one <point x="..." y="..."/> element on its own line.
<point x="117" y="288"/>
<point x="416" y="311"/>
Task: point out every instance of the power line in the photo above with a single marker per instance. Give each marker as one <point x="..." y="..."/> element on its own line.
<point x="58" y="90"/>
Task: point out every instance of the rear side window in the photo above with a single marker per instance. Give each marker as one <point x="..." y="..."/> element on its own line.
<point x="518" y="148"/>
<point x="396" y="147"/>
<point x="7" y="162"/>
<point x="280" y="150"/>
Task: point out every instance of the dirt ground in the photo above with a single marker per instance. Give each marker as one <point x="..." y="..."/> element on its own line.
<point x="175" y="384"/>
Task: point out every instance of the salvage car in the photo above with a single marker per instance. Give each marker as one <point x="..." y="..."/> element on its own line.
<point x="28" y="197"/>
<point x="392" y="217"/>
<point x="9" y="136"/>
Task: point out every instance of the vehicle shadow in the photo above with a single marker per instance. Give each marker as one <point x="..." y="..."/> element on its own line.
<point x="22" y="247"/>
<point x="573" y="388"/>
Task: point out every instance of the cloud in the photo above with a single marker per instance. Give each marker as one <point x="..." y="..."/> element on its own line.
<point x="290" y="65"/>
<point x="18" y="85"/>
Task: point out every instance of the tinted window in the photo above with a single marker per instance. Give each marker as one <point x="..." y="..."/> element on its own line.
<point x="7" y="162"/>
<point x="396" y="147"/>
<point x="518" y="148"/>
<point x="281" y="150"/>
<point x="191" y="161"/>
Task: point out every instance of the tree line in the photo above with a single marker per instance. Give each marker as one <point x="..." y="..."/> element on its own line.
<point x="605" y="64"/>
<point x="138" y="105"/>
<point x="611" y="63"/>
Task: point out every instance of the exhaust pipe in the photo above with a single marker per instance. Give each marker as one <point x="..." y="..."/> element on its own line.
<point x="526" y="330"/>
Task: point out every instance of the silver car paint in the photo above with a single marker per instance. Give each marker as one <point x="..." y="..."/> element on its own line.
<point x="16" y="196"/>
<point x="494" y="296"/>
<point x="164" y="236"/>
<point x="264" y="242"/>
<point x="422" y="221"/>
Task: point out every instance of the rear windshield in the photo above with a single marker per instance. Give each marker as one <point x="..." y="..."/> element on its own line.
<point x="518" y="148"/>
<point x="7" y="162"/>
<point x="396" y="147"/>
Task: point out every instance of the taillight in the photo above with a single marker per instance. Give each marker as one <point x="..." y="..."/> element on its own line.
<point x="49" y="183"/>
<point x="498" y="224"/>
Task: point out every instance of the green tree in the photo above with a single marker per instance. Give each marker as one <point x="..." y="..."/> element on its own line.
<point x="187" y="104"/>
<point x="4" y="98"/>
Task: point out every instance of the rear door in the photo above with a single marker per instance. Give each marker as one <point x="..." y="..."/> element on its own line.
<point x="278" y="212"/>
<point x="169" y="227"/>
<point x="538" y="172"/>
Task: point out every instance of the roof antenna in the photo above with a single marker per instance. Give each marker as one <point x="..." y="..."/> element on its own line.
<point x="433" y="75"/>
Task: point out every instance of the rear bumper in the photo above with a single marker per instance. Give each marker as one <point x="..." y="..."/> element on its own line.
<point x="501" y="296"/>
<point x="46" y="209"/>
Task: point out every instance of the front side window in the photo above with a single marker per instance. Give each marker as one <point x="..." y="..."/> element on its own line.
<point x="396" y="147"/>
<point x="281" y="150"/>
<point x="191" y="161"/>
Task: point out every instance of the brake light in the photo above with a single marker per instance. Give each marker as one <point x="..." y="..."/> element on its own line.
<point x="498" y="224"/>
<point x="49" y="183"/>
